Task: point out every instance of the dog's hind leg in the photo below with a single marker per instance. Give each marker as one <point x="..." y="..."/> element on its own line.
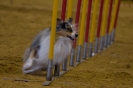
<point x="32" y="70"/>
<point x="29" y="62"/>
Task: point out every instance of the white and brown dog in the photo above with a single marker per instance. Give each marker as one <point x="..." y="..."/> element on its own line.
<point x="36" y="56"/>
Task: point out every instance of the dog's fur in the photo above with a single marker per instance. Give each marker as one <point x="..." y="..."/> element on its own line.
<point x="36" y="56"/>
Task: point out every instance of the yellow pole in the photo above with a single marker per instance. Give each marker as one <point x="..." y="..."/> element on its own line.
<point x="105" y="13"/>
<point x="69" y="13"/>
<point x="53" y="30"/>
<point x="113" y="15"/>
<point x="94" y="16"/>
<point x="83" y="20"/>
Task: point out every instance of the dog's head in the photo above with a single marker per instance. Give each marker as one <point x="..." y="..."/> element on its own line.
<point x="66" y="29"/>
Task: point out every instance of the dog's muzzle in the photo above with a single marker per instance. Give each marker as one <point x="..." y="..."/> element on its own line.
<point x="70" y="38"/>
<point x="76" y="35"/>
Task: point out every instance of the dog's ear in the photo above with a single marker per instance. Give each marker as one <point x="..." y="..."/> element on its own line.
<point x="59" y="21"/>
<point x="58" y="24"/>
<point x="70" y="20"/>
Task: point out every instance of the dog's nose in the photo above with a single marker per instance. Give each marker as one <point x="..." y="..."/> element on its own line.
<point x="76" y="35"/>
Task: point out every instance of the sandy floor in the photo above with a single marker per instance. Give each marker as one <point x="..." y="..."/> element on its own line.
<point x="112" y="68"/>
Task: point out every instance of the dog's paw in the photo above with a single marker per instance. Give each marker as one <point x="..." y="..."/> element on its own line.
<point x="28" y="64"/>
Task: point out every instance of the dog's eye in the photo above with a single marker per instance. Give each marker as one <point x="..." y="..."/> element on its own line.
<point x="68" y="26"/>
<point x="69" y="29"/>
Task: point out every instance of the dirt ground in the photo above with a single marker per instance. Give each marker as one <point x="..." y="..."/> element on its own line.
<point x="21" y="21"/>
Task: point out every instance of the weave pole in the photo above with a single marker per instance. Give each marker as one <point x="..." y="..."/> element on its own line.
<point x="63" y="11"/>
<point x="114" y="17"/>
<point x="72" y="56"/>
<point x="81" y="31"/>
<point x="108" y="24"/>
<point x="52" y="42"/>
<point x="92" y="30"/>
<point x="69" y="13"/>
<point x="104" y="24"/>
<point x="87" y="30"/>
<point x="99" y="26"/>
<point x="63" y="15"/>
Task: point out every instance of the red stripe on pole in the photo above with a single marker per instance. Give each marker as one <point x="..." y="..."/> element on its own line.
<point x="88" y="20"/>
<point x="78" y="12"/>
<point x="77" y="18"/>
<point x="117" y="14"/>
<point x="109" y="15"/>
<point x="63" y="12"/>
<point x="100" y="19"/>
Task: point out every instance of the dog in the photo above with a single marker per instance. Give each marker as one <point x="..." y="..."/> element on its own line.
<point x="36" y="56"/>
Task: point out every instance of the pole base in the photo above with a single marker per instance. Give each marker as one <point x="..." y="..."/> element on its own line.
<point x="79" y="54"/>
